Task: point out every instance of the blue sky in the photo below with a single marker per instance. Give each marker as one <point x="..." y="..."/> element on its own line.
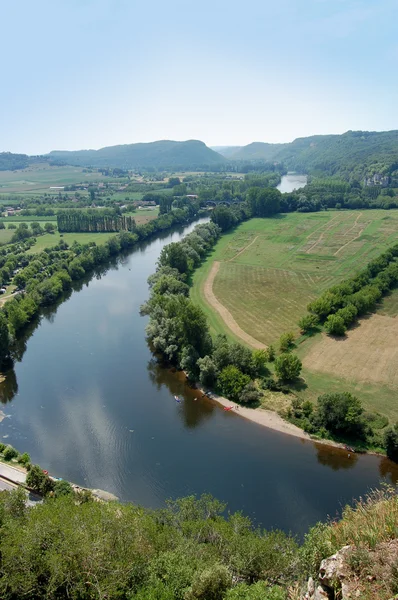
<point x="92" y="73"/>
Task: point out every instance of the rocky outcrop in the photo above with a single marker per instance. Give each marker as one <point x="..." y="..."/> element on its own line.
<point x="357" y="572"/>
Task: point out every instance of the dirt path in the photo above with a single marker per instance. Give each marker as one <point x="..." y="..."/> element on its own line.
<point x="330" y="225"/>
<point x="349" y="242"/>
<point x="355" y="224"/>
<point x="224" y="312"/>
<point x="243" y="250"/>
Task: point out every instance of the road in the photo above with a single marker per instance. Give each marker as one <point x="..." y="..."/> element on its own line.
<point x="8" y="473"/>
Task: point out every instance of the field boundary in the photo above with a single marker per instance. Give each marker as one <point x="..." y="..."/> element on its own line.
<point x="224" y="312"/>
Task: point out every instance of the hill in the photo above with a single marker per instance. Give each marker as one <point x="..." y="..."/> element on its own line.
<point x="351" y="155"/>
<point x="12" y="162"/>
<point x="226" y="151"/>
<point x="191" y="154"/>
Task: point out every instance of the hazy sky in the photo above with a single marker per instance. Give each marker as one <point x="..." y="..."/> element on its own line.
<point x="92" y="73"/>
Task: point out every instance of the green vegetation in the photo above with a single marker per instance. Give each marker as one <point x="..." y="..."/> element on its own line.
<point x="285" y="262"/>
<point x="42" y="277"/>
<point x="165" y="155"/>
<point x="73" y="547"/>
<point x="351" y="155"/>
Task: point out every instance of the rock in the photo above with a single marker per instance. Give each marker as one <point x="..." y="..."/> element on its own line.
<point x="333" y="571"/>
<point x="311" y="587"/>
<point x="320" y="594"/>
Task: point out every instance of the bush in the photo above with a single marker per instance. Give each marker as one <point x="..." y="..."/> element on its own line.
<point x="286" y="341"/>
<point x="2" y="447"/>
<point x="24" y="459"/>
<point x="340" y="413"/>
<point x="63" y="488"/>
<point x="10" y="453"/>
<point x="288" y="367"/>
<point x="308" y="323"/>
<point x="270" y="352"/>
<point x="250" y="394"/>
<point x="39" y="481"/>
<point x="335" y="325"/>
<point x="391" y="443"/>
<point x="232" y="381"/>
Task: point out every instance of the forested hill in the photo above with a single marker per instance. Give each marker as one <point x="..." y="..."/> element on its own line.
<point x="12" y="162"/>
<point x="191" y="154"/>
<point x="351" y="155"/>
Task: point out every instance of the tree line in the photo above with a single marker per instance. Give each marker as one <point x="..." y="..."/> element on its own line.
<point x="179" y="330"/>
<point x="93" y="222"/>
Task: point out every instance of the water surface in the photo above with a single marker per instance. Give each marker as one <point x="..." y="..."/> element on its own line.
<point x="291" y="182"/>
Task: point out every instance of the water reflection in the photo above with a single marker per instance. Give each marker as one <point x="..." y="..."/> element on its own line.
<point x="192" y="410"/>
<point x="335" y="458"/>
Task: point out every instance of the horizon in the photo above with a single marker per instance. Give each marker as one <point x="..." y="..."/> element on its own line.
<point x="212" y="146"/>
<point x="98" y="73"/>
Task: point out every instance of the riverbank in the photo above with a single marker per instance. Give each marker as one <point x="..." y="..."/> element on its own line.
<point x="271" y="420"/>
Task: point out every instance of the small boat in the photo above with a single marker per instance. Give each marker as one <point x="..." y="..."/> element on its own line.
<point x="177" y="398"/>
<point x="349" y="448"/>
<point x="228" y="407"/>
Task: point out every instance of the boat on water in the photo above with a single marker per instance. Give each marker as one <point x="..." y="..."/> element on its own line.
<point x="228" y="407"/>
<point x="177" y="399"/>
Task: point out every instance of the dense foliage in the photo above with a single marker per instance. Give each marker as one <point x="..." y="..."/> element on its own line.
<point x="93" y="221"/>
<point x="12" y="162"/>
<point x="353" y="155"/>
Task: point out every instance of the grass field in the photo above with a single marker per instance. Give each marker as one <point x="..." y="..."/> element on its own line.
<point x="41" y="177"/>
<point x="51" y="239"/>
<point x="270" y="269"/>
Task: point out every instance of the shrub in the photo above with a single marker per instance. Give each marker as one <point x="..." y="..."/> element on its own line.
<point x="270" y="352"/>
<point x="250" y="394"/>
<point x="340" y="413"/>
<point x="335" y="325"/>
<point x="288" y="366"/>
<point x="391" y="443"/>
<point x="286" y="341"/>
<point x="232" y="381"/>
<point x="308" y="323"/>
<point x="2" y="447"/>
<point x="24" y="459"/>
<point x="10" y="453"/>
<point x="63" y="488"/>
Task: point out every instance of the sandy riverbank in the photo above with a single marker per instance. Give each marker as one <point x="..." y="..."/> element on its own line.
<point x="267" y="418"/>
<point x="270" y="419"/>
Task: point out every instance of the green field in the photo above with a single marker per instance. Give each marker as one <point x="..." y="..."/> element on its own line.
<point x="270" y="269"/>
<point x="41" y="177"/>
<point x="51" y="239"/>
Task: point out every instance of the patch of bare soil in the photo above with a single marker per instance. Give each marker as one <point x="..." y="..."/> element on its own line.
<point x="368" y="353"/>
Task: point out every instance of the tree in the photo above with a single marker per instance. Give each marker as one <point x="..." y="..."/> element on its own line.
<point x="250" y="394"/>
<point x="264" y="202"/>
<point x="340" y="413"/>
<point x="288" y="366"/>
<point x="4" y="338"/>
<point x="63" y="488"/>
<point x="49" y="227"/>
<point x="10" y="453"/>
<point x="36" y="228"/>
<point x="207" y="371"/>
<point x="308" y="323"/>
<point x="2" y="226"/>
<point x="259" y="362"/>
<point x="391" y="443"/>
<point x="174" y="256"/>
<point x="335" y="325"/>
<point x="210" y="584"/>
<point x="223" y="217"/>
<point x="232" y="381"/>
<point x="286" y="341"/>
<point x="39" y="481"/>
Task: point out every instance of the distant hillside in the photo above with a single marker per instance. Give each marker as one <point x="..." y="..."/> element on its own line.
<point x="12" y="162"/>
<point x="226" y="151"/>
<point x="350" y="155"/>
<point x="191" y="154"/>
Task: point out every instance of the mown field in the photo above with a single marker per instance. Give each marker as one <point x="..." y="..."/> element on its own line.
<point x="40" y="177"/>
<point x="270" y="269"/>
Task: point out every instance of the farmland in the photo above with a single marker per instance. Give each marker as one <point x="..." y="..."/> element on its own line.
<point x="41" y="177"/>
<point x="281" y="264"/>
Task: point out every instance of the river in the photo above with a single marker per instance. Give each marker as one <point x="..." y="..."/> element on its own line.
<point x="292" y="181"/>
<point x="90" y="404"/>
